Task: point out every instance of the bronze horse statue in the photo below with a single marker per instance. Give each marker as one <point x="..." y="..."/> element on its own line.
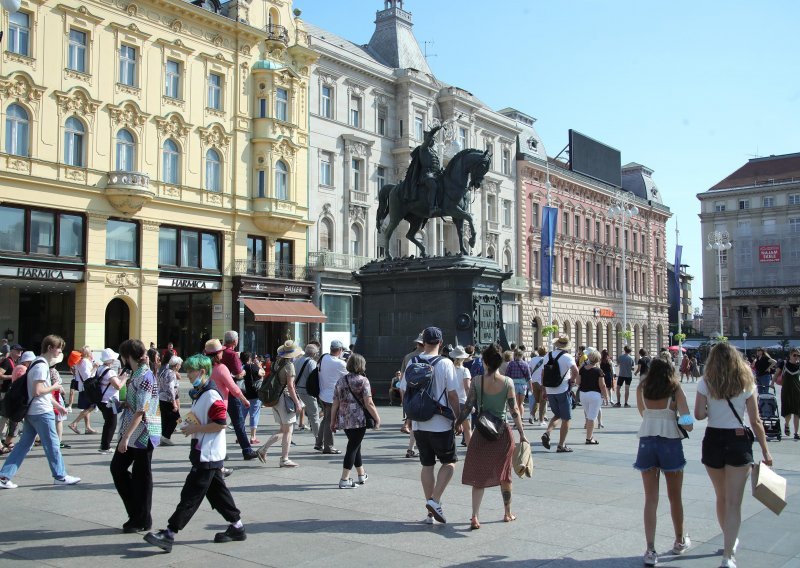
<point x="464" y="172"/>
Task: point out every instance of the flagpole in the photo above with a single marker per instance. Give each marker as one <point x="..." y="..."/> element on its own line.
<point x="680" y="299"/>
<point x="549" y="187"/>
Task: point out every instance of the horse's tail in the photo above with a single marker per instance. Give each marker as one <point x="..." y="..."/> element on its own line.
<point x="383" y="204"/>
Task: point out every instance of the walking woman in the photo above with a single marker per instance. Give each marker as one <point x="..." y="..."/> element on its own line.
<point x="463" y="382"/>
<point x="763" y="366"/>
<point x="253" y="375"/>
<point x="662" y="405"/>
<point x="168" y="401"/>
<point x="110" y="385"/>
<point x="139" y="434"/>
<point x="788" y="376"/>
<point x="352" y="399"/>
<point x="592" y="387"/>
<point x="83" y="370"/>
<point x="607" y="367"/>
<point x="488" y="462"/>
<point x="285" y="412"/>
<point x="723" y="394"/>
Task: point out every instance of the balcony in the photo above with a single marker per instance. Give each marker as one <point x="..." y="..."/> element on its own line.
<point x="325" y="260"/>
<point x="493" y="227"/>
<point x="271" y="270"/>
<point x="128" y="191"/>
<point x="516" y="283"/>
<point x="278" y="34"/>
<point x="359" y="197"/>
<point x="277" y="216"/>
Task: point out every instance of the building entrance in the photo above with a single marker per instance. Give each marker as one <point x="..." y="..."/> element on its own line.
<point x="46" y="313"/>
<point x="184" y="318"/>
<point x="118" y="323"/>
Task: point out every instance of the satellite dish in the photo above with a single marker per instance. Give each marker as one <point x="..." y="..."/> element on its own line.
<point x="10" y="5"/>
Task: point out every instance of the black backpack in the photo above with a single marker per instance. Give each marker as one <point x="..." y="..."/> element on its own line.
<point x="644" y="365"/>
<point x="419" y="402"/>
<point x="252" y="381"/>
<point x="92" y="387"/>
<point x="271" y="389"/>
<point x="312" y="382"/>
<point x="16" y="402"/>
<point x="551" y="372"/>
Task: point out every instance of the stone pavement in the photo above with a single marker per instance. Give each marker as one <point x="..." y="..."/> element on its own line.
<point x="579" y="509"/>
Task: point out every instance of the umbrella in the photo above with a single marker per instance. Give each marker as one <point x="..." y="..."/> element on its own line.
<point x="675" y="348"/>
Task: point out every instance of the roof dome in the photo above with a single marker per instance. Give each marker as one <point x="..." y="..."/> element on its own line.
<point x="637" y="179"/>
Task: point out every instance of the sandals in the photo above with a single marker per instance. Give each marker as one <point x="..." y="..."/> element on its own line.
<point x="786" y="430"/>
<point x="73" y="428"/>
<point x="91" y="432"/>
<point x="591" y="442"/>
<point x="546" y="440"/>
<point x="474" y="524"/>
<point x="261" y="453"/>
<point x="564" y="450"/>
<point x="331" y="451"/>
<point x="411" y="454"/>
<point x="797" y="436"/>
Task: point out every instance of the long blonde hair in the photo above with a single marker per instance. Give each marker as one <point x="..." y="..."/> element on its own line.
<point x="727" y="374"/>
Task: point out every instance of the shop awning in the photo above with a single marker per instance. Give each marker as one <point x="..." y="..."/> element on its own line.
<point x="284" y="311"/>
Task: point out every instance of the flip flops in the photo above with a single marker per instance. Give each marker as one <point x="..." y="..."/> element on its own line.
<point x="591" y="442"/>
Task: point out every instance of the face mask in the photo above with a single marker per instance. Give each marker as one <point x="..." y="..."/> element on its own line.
<point x="55" y="360"/>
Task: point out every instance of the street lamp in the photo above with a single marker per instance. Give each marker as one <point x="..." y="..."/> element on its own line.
<point x="719" y="241"/>
<point x="744" y="334"/>
<point x="623" y="209"/>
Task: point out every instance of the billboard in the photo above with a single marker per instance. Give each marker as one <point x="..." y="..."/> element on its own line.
<point x="769" y="253"/>
<point x="594" y="159"/>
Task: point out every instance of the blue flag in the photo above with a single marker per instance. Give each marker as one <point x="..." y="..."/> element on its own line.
<point x="677" y="283"/>
<point x="549" y="225"/>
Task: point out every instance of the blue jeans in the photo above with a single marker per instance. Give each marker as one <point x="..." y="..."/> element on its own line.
<point x="763" y="382"/>
<point x="236" y="412"/>
<point x="254" y="412"/>
<point x="45" y="426"/>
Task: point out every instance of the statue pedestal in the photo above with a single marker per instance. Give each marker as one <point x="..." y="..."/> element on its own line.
<point x="461" y="295"/>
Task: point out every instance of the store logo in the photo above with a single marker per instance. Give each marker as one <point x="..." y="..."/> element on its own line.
<point x="293" y="289"/>
<point x="179" y="283"/>
<point x="40" y="273"/>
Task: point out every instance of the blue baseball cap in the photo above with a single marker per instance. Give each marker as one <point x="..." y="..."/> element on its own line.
<point x="432" y="335"/>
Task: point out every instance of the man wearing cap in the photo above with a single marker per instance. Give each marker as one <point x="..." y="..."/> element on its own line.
<point x="436" y="437"/>
<point x="560" y="397"/>
<point x="331" y="368"/>
<point x="236" y="407"/>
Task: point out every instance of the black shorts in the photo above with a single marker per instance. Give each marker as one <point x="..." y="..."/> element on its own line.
<point x="433" y="445"/>
<point x="609" y="379"/>
<point x="624" y="381"/>
<point x="723" y="446"/>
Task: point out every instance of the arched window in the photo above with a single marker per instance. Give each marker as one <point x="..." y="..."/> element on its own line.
<point x="355" y="240"/>
<point x="73" y="142"/>
<point x="325" y="235"/>
<point x="281" y="181"/>
<point x="17" y="123"/>
<point x="171" y="159"/>
<point x="126" y="151"/>
<point x="213" y="171"/>
<point x="274" y="17"/>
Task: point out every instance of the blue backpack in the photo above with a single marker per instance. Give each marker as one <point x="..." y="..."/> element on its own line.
<point x="419" y="402"/>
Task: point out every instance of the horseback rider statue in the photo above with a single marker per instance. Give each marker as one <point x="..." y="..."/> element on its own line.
<point x="424" y="172"/>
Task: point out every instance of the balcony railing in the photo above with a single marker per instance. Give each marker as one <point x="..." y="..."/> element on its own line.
<point x="271" y="270"/>
<point x="493" y="226"/>
<point x="360" y="197"/>
<point x="278" y="33"/>
<point x="516" y="283"/>
<point x="129" y="180"/>
<point x="324" y="260"/>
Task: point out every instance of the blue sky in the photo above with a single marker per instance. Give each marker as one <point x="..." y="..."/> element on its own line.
<point x="691" y="89"/>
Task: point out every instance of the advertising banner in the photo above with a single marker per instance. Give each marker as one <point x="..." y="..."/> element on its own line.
<point x="769" y="253"/>
<point x="549" y="224"/>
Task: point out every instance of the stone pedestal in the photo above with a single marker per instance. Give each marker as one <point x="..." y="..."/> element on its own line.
<point x="462" y="295"/>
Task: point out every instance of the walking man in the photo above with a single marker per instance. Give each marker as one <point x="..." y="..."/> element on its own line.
<point x="625" y="365"/>
<point x="560" y="397"/>
<point x="331" y="368"/>
<point x="237" y="404"/>
<point x="304" y="366"/>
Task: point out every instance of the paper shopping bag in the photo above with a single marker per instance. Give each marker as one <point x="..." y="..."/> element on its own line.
<point x="522" y="460"/>
<point x="769" y="488"/>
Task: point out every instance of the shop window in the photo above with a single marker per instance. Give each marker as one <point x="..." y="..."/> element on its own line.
<point x="76" y="54"/>
<point x="17" y="131"/>
<point x="19" y="33"/>
<point x="126" y="151"/>
<point x="256" y="255"/>
<point x="213" y="171"/>
<point x="41" y="232"/>
<point x="281" y="181"/>
<point x="122" y="242"/>
<point x="282" y="105"/>
<point x="171" y="162"/>
<point x="74" y="136"/>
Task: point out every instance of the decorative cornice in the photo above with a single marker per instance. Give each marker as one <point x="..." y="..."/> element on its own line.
<point x="127" y="114"/>
<point x="77" y="101"/>
<point x="22" y="88"/>
<point x="172" y="125"/>
<point x="214" y="135"/>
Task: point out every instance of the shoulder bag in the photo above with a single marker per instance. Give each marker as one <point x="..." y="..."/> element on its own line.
<point x="490" y="426"/>
<point x="748" y="432"/>
<point x="370" y="421"/>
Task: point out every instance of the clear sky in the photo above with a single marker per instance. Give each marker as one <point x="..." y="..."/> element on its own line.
<point x="691" y="89"/>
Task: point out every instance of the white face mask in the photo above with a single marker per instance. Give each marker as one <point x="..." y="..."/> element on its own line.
<point x="55" y="360"/>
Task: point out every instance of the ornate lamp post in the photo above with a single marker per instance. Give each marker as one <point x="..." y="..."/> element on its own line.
<point x="719" y="241"/>
<point x="622" y="208"/>
<point x="745" y="344"/>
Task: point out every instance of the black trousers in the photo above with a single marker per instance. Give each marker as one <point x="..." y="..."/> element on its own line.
<point x="169" y="418"/>
<point x="200" y="483"/>
<point x="109" y="426"/>
<point x="352" y="455"/>
<point x="135" y="487"/>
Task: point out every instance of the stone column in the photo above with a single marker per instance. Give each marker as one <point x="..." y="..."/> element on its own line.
<point x="787" y="320"/>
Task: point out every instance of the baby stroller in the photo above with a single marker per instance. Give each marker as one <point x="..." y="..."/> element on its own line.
<point x="768" y="411"/>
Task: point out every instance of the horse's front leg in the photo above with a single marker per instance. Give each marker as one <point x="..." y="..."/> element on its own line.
<point x="459" y="223"/>
<point x="472" y="232"/>
<point x="411" y="235"/>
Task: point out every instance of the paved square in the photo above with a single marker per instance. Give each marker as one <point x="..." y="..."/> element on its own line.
<point x="579" y="509"/>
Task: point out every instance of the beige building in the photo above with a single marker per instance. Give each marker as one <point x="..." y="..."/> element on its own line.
<point x="153" y="173"/>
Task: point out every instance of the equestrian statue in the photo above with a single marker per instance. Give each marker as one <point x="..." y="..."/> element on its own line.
<point x="428" y="192"/>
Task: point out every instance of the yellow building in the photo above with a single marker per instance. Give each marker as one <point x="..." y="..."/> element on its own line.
<point x="153" y="172"/>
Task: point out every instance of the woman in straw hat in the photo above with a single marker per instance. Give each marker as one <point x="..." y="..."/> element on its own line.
<point x="285" y="411"/>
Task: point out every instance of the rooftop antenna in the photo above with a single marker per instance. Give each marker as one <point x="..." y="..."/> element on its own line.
<point x="425" y="49"/>
<point x="756" y="155"/>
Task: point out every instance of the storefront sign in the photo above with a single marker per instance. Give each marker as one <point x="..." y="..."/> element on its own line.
<point x="277" y="288"/>
<point x="189" y="284"/>
<point x="769" y="253"/>
<point x="34" y="273"/>
<point x="606" y="313"/>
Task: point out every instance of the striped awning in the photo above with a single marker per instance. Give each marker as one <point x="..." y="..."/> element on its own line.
<point x="284" y="311"/>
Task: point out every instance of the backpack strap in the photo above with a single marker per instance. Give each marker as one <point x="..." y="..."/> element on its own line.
<point x="300" y="374"/>
<point x="100" y="379"/>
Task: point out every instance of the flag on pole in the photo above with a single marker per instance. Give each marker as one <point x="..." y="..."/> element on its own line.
<point x="677" y="282"/>
<point x="549" y="224"/>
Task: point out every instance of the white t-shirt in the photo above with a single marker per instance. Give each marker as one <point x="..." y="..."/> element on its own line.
<point x="444" y="381"/>
<point x="39" y="372"/>
<point x="83" y="370"/>
<point x="461" y="374"/>
<point x="720" y="414"/>
<point x="536" y="376"/>
<point x="331" y="369"/>
<point x="565" y="363"/>
<point x="110" y="392"/>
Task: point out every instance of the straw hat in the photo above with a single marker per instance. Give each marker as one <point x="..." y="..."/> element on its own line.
<point x="562" y="342"/>
<point x="458" y="352"/>
<point x="289" y="350"/>
<point x="213" y="346"/>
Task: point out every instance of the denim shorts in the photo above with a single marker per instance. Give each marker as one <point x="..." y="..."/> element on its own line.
<point x="561" y="405"/>
<point x="520" y="386"/>
<point x="665" y="454"/>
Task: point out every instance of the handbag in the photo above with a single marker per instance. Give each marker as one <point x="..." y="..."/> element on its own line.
<point x="288" y="403"/>
<point x="370" y="421"/>
<point x="490" y="426"/>
<point x="748" y="432"/>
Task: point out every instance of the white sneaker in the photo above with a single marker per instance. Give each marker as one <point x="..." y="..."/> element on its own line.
<point x="7" y="484"/>
<point x="428" y="520"/>
<point x="681" y="547"/>
<point x="543" y="423"/>
<point x="728" y="563"/>
<point x="105" y="452"/>
<point x="347" y="484"/>
<point x="650" y="558"/>
<point x="362" y="479"/>
<point x="66" y="480"/>
<point x="435" y="509"/>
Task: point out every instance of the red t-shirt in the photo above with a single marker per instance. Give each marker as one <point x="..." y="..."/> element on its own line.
<point x="225" y="385"/>
<point x="231" y="359"/>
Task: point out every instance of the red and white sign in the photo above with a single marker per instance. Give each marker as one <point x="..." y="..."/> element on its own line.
<point x="769" y="253"/>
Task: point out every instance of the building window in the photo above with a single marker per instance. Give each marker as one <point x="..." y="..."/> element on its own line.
<point x="181" y="248"/>
<point x="598" y="276"/>
<point x="383" y="113"/>
<point x="256" y="255"/>
<point x="658" y="248"/>
<point x="262" y="183"/>
<point x="76" y="54"/>
<point x="355" y="112"/>
<point x="627" y="245"/>
<point x="535" y="265"/>
<point x="794" y="199"/>
<point x="608" y="277"/>
<point x="171" y="159"/>
<point x="380" y="177"/>
<point x="565" y="265"/>
<point x="74" y="133"/>
<point x="325" y="235"/>
<point x="127" y="65"/>
<point x="587" y="229"/>
<point x="70" y="235"/>
<point x="577" y="272"/>
<point x="506" y="164"/>
<point x="565" y="225"/>
<point x="577" y="227"/>
<point x="618" y="280"/>
<point x="768" y="226"/>
<point x="284" y="257"/>
<point x="215" y="91"/>
<point x="635" y="282"/>
<point x="506" y="213"/>
<point x="491" y="208"/>
<point x="282" y="105"/>
<point x="17" y="124"/>
<point x="325" y="169"/>
<point x="744" y="204"/>
<point x="588" y="276"/>
<point x="213" y="171"/>
<point x="616" y="236"/>
<point x="42" y="233"/>
<point x="355" y="240"/>
<point x="121" y="242"/>
<point x="326" y="102"/>
<point x="608" y="235"/>
<point x="355" y="165"/>
<point x="643" y="247"/>
<point x="535" y="215"/>
<point x="723" y="258"/>
<point x="48" y="232"/>
<point x="262" y="108"/>
<point x="19" y="33"/>
<point x="126" y="151"/>
<point x="281" y="181"/>
<point x="419" y="127"/>
<point x="794" y="225"/>
<point x="463" y="139"/>
<point x="635" y="243"/>
<point x="167" y="246"/>
<point x="719" y="206"/>
<point x="172" y="85"/>
<point x="768" y="201"/>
